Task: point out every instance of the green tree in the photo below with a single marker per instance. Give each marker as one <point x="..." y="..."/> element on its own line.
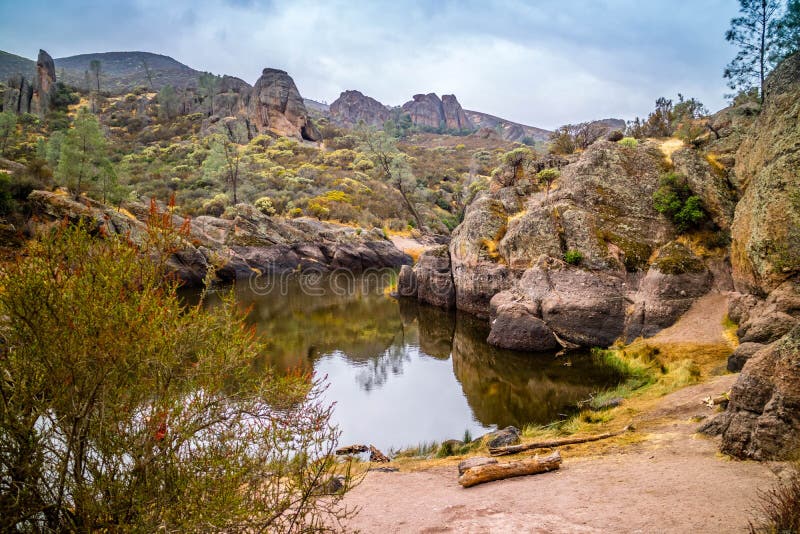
<point x="123" y="409"/>
<point x="547" y="177"/>
<point x="83" y="156"/>
<point x="788" y="31"/>
<point x="755" y="33"/>
<point x="96" y="68"/>
<point x="208" y="85"/>
<point x="167" y="102"/>
<point x="8" y="127"/>
<point x="224" y="161"/>
<point x="392" y="165"/>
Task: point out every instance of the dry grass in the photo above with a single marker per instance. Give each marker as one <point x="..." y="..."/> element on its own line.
<point x="669" y="146"/>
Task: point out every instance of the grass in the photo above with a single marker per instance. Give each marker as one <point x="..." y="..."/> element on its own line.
<point x="779" y="508"/>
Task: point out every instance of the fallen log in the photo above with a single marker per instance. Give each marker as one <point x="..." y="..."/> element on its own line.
<point x="514" y="449"/>
<point x="491" y="472"/>
<point x="377" y="456"/>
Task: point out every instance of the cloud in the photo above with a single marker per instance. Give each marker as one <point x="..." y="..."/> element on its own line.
<point x="543" y="63"/>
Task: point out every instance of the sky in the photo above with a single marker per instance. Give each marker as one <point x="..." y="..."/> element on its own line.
<point x="539" y="62"/>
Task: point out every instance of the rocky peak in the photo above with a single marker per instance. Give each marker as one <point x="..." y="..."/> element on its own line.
<point x="430" y="111"/>
<point x="22" y="97"/>
<point x="353" y="107"/>
<point x="276" y="106"/>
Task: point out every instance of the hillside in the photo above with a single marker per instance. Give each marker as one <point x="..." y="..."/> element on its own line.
<point x="11" y="64"/>
<point x="512" y="131"/>
<point x="124" y="71"/>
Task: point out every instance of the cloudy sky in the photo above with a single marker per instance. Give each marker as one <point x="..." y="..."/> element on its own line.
<point x="540" y="62"/>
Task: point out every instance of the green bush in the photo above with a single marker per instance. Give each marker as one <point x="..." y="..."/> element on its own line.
<point x="265" y="206"/>
<point x="675" y="199"/>
<point x="628" y="142"/>
<point x="126" y="410"/>
<point x="573" y="257"/>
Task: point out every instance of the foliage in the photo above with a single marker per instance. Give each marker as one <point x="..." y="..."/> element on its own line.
<point x="779" y="507"/>
<point x="675" y="199"/>
<point x="572" y="137"/>
<point x="265" y="206"/>
<point x="123" y="409"/>
<point x="788" y="32"/>
<point x="207" y="85"/>
<point x="573" y="257"/>
<point x="547" y="177"/>
<point x="668" y="118"/>
<point x="83" y="156"/>
<point x="628" y="142"/>
<point x="8" y="127"/>
<point x="167" y="102"/>
<point x="755" y="33"/>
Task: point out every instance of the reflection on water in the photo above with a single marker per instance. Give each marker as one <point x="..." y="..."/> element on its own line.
<point x="402" y="373"/>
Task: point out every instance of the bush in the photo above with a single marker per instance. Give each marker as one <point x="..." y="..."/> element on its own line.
<point x="573" y="257"/>
<point x="780" y="507"/>
<point x="674" y="199"/>
<point x="124" y="409"/>
<point x="265" y="206"/>
<point x="628" y="142"/>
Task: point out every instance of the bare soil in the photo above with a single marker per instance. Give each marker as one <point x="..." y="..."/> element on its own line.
<point x="669" y="479"/>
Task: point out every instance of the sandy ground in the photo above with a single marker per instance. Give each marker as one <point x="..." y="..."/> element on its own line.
<point x="672" y="480"/>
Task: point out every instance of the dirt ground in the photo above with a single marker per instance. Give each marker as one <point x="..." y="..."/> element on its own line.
<point x="669" y="480"/>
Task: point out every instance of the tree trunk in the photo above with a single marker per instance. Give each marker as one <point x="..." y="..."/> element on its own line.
<point x="513" y="449"/>
<point x="490" y="472"/>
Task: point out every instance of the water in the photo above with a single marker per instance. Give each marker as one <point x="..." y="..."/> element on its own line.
<point x="403" y="373"/>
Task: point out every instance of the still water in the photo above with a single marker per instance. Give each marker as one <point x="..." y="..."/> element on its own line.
<point x="402" y="373"/>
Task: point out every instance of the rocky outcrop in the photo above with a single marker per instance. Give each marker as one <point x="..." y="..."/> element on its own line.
<point x="18" y="95"/>
<point x="45" y="84"/>
<point x="248" y="244"/>
<point x="765" y="235"/>
<point x="505" y="129"/>
<point x="429" y="111"/>
<point x="632" y="278"/>
<point x="276" y="106"/>
<point x="353" y="107"/>
<point x="762" y="420"/>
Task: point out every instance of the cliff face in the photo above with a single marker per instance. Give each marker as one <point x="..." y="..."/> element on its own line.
<point x="353" y="107"/>
<point x="429" y="111"/>
<point x="23" y="97"/>
<point x="276" y="106"/>
<point x="763" y="416"/>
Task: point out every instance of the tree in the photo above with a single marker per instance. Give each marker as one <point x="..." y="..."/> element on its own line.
<point x="147" y="72"/>
<point x="788" y="31"/>
<point x="167" y="102"/>
<point x="755" y="33"/>
<point x="95" y="67"/>
<point x="83" y="155"/>
<point x="208" y="85"/>
<point x="224" y="160"/>
<point x="547" y="177"/>
<point x="392" y="164"/>
<point x="124" y="409"/>
<point x="8" y="127"/>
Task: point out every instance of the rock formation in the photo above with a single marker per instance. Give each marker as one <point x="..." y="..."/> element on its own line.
<point x="429" y="111"/>
<point x="18" y="95"/>
<point x="249" y="243"/>
<point x="22" y="97"/>
<point x="762" y="420"/>
<point x="353" y="107"/>
<point x="276" y="106"/>
<point x="507" y="257"/>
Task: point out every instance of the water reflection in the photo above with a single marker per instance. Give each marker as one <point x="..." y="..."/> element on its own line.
<point x="402" y="373"/>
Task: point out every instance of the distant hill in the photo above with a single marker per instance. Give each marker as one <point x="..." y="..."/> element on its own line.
<point x="11" y="64"/>
<point x="124" y="71"/>
<point x="511" y="131"/>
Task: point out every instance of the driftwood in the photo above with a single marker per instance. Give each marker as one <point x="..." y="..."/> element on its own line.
<point x="377" y="456"/>
<point x="352" y="449"/>
<point x="715" y="401"/>
<point x="528" y="466"/>
<point x="469" y="463"/>
<point x="513" y="449"/>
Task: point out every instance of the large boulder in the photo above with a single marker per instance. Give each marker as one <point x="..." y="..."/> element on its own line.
<point x="434" y="278"/>
<point x="763" y="416"/>
<point x="454" y="116"/>
<point x="353" y="107"/>
<point x="18" y="95"/>
<point x="516" y="325"/>
<point x="45" y="84"/>
<point x="430" y="111"/>
<point x="276" y="106"/>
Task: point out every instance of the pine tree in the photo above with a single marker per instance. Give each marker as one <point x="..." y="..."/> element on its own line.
<point x="83" y="156"/>
<point x="755" y="32"/>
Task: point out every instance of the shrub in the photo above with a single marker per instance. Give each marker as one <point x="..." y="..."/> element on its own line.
<point x="573" y="257"/>
<point x="628" y="142"/>
<point x="780" y="507"/>
<point x="265" y="206"/>
<point x="674" y="199"/>
<point x="124" y="409"/>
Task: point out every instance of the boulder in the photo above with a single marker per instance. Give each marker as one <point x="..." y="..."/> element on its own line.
<point x="743" y="352"/>
<point x="766" y="328"/>
<point x="454" y="116"/>
<point x="434" y="278"/>
<point x="502" y="438"/>
<point x="515" y="325"/>
<point x="276" y="106"/>
<point x="425" y="111"/>
<point x="762" y="420"/>
<point x="18" y="95"/>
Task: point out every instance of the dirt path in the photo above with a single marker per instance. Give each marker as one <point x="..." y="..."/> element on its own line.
<point x="671" y="480"/>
